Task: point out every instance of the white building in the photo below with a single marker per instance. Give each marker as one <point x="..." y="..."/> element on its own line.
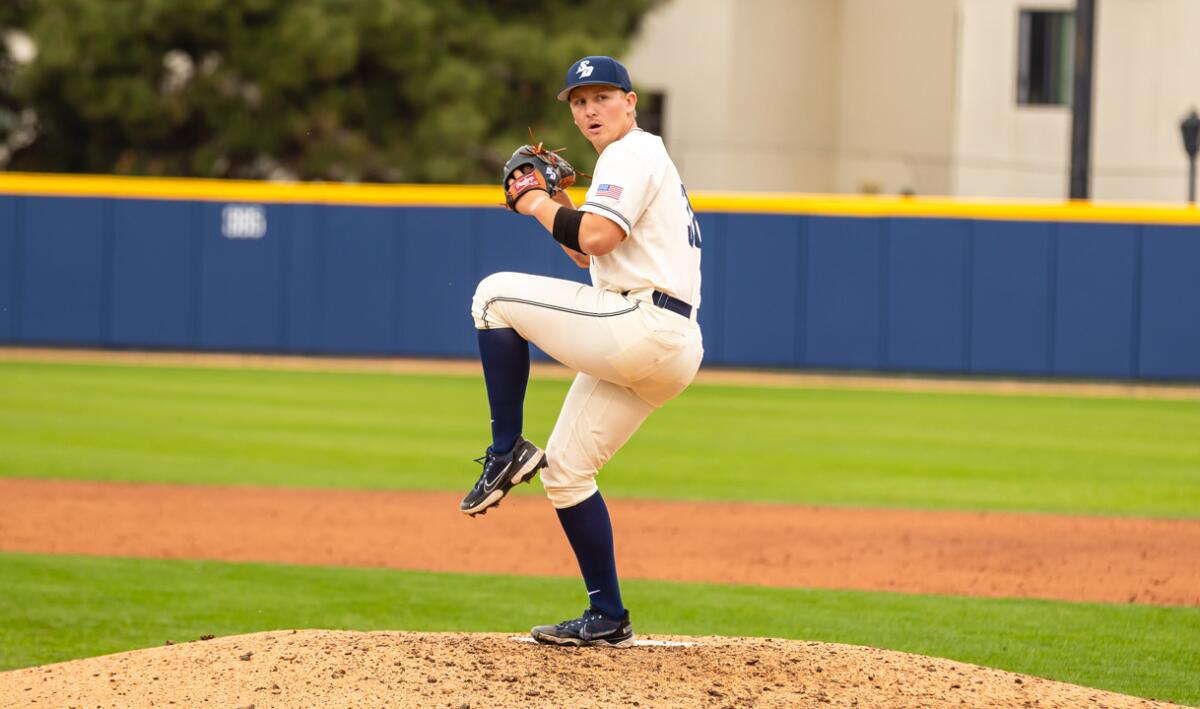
<point x="936" y="97"/>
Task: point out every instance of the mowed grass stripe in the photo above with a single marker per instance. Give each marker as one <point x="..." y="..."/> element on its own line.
<point x="59" y="608"/>
<point x="419" y="432"/>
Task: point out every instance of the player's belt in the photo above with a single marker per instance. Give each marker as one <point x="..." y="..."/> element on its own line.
<point x="667" y="302"/>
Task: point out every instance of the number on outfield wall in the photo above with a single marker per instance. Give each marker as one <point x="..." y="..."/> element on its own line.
<point x="243" y="221"/>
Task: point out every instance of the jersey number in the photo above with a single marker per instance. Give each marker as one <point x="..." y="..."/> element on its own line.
<point x="693" y="225"/>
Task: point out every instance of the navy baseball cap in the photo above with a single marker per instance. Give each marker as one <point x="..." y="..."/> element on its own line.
<point x="596" y="70"/>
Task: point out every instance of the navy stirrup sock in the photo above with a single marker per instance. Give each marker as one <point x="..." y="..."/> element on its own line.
<point x="589" y="530"/>
<point x="505" y="357"/>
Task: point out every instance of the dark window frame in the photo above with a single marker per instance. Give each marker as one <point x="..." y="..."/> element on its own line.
<point x="652" y="112"/>
<point x="1045" y="57"/>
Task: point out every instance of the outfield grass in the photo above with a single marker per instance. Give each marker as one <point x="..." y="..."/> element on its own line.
<point x="901" y="449"/>
<point x="55" y="608"/>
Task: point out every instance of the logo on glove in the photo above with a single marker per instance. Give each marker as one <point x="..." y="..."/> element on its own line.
<point x="530" y="180"/>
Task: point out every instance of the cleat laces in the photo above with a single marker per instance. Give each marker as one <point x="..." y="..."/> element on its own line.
<point x="576" y="623"/>
<point x="484" y="460"/>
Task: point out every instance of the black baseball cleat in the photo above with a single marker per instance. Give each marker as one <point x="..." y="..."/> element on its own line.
<point x="591" y="628"/>
<point x="500" y="473"/>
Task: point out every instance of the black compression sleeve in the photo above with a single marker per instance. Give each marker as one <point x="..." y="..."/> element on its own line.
<point x="566" y="228"/>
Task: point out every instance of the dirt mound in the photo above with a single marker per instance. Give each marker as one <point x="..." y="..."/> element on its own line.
<point x="456" y="670"/>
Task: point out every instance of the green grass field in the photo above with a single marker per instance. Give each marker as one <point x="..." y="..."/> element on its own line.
<point x="116" y="604"/>
<point x="836" y="447"/>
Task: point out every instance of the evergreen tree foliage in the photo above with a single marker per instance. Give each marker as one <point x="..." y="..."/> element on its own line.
<point x="370" y="90"/>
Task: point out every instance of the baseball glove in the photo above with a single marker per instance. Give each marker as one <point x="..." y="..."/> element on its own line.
<point x="550" y="172"/>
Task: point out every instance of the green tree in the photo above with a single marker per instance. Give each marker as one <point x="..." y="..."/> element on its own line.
<point x="372" y="90"/>
<point x="14" y="14"/>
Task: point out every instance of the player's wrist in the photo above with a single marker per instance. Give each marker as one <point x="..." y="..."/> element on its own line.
<point x="531" y="200"/>
<point x="530" y="206"/>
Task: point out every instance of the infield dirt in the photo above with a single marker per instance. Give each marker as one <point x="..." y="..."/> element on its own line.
<point x="1073" y="558"/>
<point x="353" y="670"/>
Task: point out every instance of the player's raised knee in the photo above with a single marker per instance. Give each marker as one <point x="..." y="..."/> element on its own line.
<point x="493" y="285"/>
<point x="490" y="288"/>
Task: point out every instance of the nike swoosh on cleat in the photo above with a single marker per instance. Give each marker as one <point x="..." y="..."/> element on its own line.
<point x="490" y="485"/>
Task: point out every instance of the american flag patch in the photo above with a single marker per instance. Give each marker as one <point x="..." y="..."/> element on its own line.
<point x="609" y="191"/>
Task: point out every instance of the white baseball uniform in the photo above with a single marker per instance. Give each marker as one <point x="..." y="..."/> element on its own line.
<point x="632" y="356"/>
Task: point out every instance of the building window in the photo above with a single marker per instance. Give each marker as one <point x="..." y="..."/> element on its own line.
<point x="1046" y="58"/>
<point x="650" y="112"/>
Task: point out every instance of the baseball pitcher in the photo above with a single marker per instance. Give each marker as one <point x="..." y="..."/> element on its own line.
<point x="632" y="335"/>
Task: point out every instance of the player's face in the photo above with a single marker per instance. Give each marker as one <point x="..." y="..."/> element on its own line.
<point x="602" y="113"/>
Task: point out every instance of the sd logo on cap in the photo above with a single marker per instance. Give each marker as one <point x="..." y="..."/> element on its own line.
<point x="596" y="70"/>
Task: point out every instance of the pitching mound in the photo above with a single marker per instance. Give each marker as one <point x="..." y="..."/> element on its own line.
<point x="345" y="669"/>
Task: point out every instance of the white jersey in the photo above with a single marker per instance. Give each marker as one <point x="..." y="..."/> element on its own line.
<point x="637" y="186"/>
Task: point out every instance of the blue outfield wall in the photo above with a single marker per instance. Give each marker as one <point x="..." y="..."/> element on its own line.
<point x="885" y="293"/>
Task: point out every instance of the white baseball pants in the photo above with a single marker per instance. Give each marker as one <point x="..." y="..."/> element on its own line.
<point x="632" y="357"/>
